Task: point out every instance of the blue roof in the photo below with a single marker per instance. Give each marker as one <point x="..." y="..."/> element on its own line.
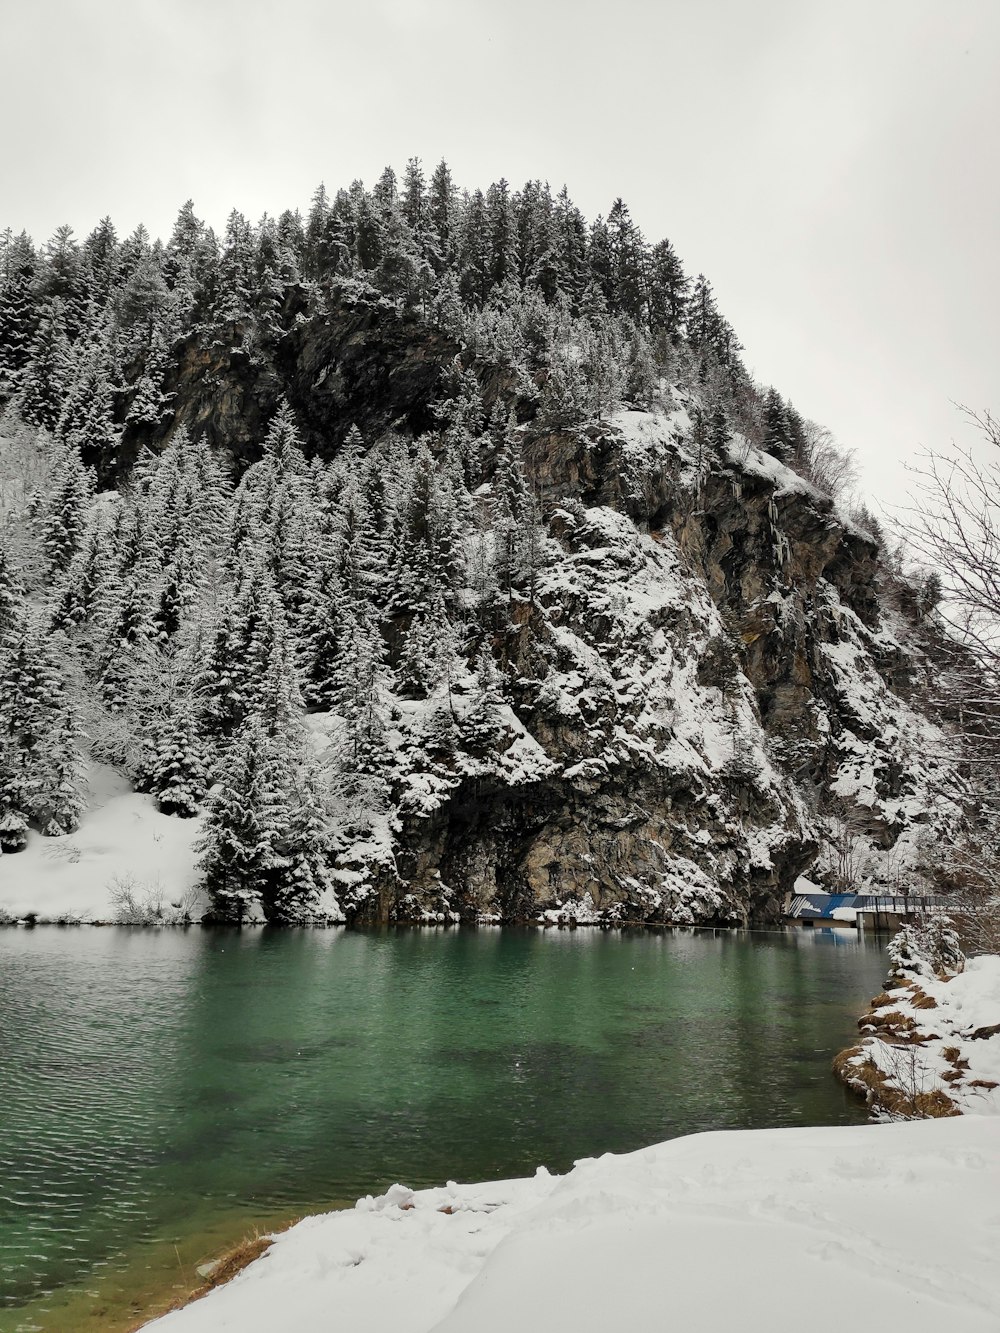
<point x="820" y="906"/>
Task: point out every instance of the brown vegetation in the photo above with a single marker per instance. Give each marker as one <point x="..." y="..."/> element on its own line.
<point x="856" y="1069"/>
<point x="228" y="1266"/>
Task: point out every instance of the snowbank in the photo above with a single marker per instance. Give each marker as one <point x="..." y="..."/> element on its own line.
<point x="932" y="1045"/>
<point x="771" y="1230"/>
<point x="123" y="845"/>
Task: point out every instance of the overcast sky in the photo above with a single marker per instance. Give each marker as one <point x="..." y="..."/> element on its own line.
<point x="829" y="164"/>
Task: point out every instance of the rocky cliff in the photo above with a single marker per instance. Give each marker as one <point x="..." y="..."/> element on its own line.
<point x="708" y="698"/>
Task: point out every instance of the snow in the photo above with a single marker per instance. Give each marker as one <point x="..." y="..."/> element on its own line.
<point x="123" y="841"/>
<point x="754" y="462"/>
<point x="955" y="1052"/>
<point x="892" y="1222"/>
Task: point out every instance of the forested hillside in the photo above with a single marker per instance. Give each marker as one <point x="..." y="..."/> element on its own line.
<point x="437" y="554"/>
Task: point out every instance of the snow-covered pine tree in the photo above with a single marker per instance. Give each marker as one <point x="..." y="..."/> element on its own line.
<point x="177" y="767"/>
<point x="482" y="721"/>
<point x="40" y="760"/>
<point x="246" y="819"/>
<point x="305" y="889"/>
<point x="45" y="378"/>
<point x="87" y="417"/>
<point x="60" y="509"/>
<point x="11" y="594"/>
<point x="775" y="430"/>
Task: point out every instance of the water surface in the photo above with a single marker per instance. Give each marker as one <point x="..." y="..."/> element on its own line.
<point x="161" y="1090"/>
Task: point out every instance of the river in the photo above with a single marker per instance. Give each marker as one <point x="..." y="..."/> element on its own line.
<point x="163" y="1091"/>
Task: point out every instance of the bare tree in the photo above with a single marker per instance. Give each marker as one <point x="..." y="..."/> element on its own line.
<point x="826" y="464"/>
<point x="953" y="530"/>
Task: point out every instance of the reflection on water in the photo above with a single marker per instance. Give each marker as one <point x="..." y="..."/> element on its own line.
<point x="155" y="1082"/>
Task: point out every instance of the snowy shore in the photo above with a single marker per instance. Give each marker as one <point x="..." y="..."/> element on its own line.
<point x="931" y="1046"/>
<point x="765" y="1230"/>
<point x="124" y="846"/>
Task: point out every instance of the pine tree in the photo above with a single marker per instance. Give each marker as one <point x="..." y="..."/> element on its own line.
<point x="60" y="510"/>
<point x="45" y="378"/>
<point x="775" y="431"/>
<point x="63" y="278"/>
<point x="11" y="595"/>
<point x="87" y="416"/>
<point x="511" y="511"/>
<point x="443" y="212"/>
<point x="89" y="578"/>
<point x="304" y="890"/>
<point x="668" y="290"/>
<point x="177" y="771"/>
<point x="474" y="252"/>
<point x="501" y="225"/>
<point x="628" y="263"/>
<point x="18" y="264"/>
<point x="482" y="723"/>
<point x="246" y="817"/>
<point x="39" y="761"/>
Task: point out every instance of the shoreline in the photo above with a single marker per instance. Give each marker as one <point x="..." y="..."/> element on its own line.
<point x="10" y="922"/>
<point x="930" y="1045"/>
<point x="152" y="1278"/>
<point x="620" y="1239"/>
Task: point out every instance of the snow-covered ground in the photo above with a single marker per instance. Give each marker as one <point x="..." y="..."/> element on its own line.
<point x="934" y="1039"/>
<point x="767" y="1231"/>
<point x="124" y="846"/>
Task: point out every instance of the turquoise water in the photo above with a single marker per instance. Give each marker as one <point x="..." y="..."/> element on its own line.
<point x="159" y="1083"/>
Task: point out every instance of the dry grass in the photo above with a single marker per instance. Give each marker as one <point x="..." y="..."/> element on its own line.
<point x="228" y="1266"/>
<point x="235" y="1260"/>
<point x="859" y="1072"/>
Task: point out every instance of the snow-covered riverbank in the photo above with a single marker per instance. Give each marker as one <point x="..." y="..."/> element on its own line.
<point x="124" y="849"/>
<point x="769" y="1230"/>
<point x="931" y="1046"/>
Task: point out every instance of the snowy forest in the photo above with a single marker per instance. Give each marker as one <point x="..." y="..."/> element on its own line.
<point x="340" y="533"/>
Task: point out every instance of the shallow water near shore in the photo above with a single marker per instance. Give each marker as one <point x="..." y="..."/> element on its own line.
<point x="163" y="1092"/>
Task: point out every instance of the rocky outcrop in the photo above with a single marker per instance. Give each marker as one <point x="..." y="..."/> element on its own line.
<point x="353" y="359"/>
<point x="705" y="704"/>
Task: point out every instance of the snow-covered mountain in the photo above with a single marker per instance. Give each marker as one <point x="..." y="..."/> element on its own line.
<point x="435" y="557"/>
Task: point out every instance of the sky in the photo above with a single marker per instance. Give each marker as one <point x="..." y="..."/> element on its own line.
<point x="828" y="164"/>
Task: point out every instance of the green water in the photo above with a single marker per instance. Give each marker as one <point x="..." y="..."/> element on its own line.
<point x="159" y="1083"/>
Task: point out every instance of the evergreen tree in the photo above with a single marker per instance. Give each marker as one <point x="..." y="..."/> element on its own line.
<point x="60" y="510"/>
<point x="39" y="759"/>
<point x="87" y="417"/>
<point x="177" y="768"/>
<point x="18" y="265"/>
<point x="775" y="431"/>
<point x="62" y="277"/>
<point x="668" y="290"/>
<point x="45" y="377"/>
<point x="482" y="724"/>
<point x="247" y="815"/>
<point x="304" y="891"/>
<point x="444" y="214"/>
<point x="11" y="595"/>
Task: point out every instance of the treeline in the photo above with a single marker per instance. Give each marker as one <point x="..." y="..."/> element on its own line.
<point x="571" y="316"/>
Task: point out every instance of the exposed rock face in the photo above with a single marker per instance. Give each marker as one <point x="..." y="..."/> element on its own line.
<point x="707" y="703"/>
<point x="360" y="362"/>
